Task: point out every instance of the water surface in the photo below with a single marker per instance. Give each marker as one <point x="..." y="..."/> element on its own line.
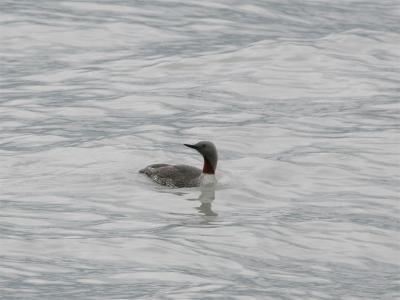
<point x="301" y="99"/>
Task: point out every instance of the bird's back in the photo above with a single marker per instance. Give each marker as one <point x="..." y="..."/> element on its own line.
<point x="173" y="175"/>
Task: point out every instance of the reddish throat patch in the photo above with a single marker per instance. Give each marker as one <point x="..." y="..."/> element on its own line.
<point x="207" y="167"/>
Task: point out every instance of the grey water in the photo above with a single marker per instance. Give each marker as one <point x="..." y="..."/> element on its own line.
<point x="301" y="99"/>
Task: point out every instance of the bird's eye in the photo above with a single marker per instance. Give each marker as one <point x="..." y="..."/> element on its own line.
<point x="203" y="146"/>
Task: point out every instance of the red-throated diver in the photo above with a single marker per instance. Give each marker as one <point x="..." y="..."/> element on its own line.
<point x="184" y="175"/>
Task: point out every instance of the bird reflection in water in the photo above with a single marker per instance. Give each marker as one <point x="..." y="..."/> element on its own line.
<point x="206" y="198"/>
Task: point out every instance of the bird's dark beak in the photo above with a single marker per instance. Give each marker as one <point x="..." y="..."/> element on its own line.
<point x="191" y="146"/>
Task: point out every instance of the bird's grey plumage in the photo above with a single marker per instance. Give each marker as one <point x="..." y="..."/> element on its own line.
<point x="173" y="175"/>
<point x="184" y="175"/>
<point x="208" y="150"/>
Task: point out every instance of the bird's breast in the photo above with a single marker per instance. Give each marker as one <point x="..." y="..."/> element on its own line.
<point x="207" y="179"/>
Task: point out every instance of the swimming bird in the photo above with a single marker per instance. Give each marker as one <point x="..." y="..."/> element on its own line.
<point x="184" y="175"/>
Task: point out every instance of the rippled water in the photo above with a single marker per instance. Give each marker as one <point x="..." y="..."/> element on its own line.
<point x="301" y="99"/>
